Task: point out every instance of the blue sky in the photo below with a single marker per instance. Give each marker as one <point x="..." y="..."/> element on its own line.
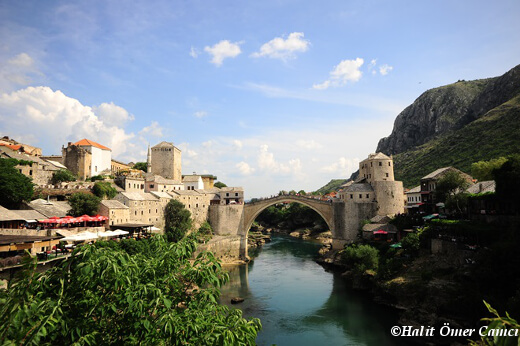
<point x="267" y="95"/>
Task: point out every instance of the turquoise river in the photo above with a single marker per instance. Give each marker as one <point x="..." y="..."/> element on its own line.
<point x="301" y="303"/>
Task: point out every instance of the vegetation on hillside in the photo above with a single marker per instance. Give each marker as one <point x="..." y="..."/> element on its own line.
<point x="63" y="175"/>
<point x="143" y="166"/>
<point x="332" y="185"/>
<point x="492" y="136"/>
<point x="103" y="189"/>
<point x="112" y="293"/>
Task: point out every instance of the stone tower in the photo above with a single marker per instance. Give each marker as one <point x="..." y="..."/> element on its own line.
<point x="166" y="161"/>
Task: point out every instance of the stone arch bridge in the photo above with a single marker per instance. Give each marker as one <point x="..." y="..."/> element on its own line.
<point x="323" y="208"/>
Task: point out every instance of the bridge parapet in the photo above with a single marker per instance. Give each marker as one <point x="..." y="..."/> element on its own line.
<point x="282" y="198"/>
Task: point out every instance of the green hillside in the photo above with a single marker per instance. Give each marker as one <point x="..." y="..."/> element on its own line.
<point x="495" y="134"/>
<point x="332" y="185"/>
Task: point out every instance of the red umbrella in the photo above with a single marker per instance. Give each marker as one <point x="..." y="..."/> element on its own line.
<point x="380" y="232"/>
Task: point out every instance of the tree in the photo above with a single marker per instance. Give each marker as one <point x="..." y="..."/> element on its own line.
<point x="14" y="186"/>
<point x="143" y="166"/>
<point x="219" y="184"/>
<point x="451" y="189"/>
<point x="507" y="178"/>
<point x="302" y="193"/>
<point x="177" y="221"/>
<point x="103" y="295"/>
<point x="104" y="189"/>
<point x="361" y="258"/>
<point x="83" y="203"/>
<point x="483" y="170"/>
<point x="63" y="175"/>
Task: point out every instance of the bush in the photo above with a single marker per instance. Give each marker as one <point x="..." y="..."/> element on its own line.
<point x="104" y="189"/>
<point x="361" y="258"/>
<point x="411" y="243"/>
<point x="63" y="175"/>
<point x="83" y="203"/>
<point x="177" y="221"/>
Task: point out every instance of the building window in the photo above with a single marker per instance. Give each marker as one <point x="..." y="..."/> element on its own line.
<point x="387" y="175"/>
<point x="360" y="196"/>
<point x="368" y="196"/>
<point x="380" y="163"/>
<point x="389" y="164"/>
<point x="236" y="194"/>
<point x="351" y="196"/>
<point x="227" y="194"/>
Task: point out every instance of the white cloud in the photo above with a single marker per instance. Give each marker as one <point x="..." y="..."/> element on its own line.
<point x="384" y="69"/>
<point x="194" y="53"/>
<point x="267" y="162"/>
<point x="237" y="144"/>
<point x="244" y="168"/>
<point x="17" y="71"/>
<point x="21" y="60"/>
<point x="308" y="144"/>
<point x="200" y="114"/>
<point x="222" y="50"/>
<point x="55" y="119"/>
<point x="342" y="167"/>
<point x="345" y="71"/>
<point x="154" y="129"/>
<point x="278" y="48"/>
<point x="112" y="114"/>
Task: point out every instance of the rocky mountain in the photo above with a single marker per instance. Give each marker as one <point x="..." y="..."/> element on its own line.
<point x="456" y="125"/>
<point x="443" y="110"/>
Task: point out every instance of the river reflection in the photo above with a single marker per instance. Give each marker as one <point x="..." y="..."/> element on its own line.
<point x="300" y="303"/>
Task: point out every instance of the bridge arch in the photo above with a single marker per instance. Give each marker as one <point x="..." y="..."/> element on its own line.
<point x="323" y="208"/>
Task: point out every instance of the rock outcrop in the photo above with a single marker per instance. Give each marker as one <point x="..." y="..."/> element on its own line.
<point x="445" y="109"/>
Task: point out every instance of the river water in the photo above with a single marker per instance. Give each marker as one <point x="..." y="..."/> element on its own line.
<point x="300" y="303"/>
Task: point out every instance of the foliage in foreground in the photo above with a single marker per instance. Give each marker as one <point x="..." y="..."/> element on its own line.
<point x="104" y="296"/>
<point x="498" y="325"/>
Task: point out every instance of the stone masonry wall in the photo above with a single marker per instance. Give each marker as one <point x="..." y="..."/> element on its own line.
<point x="226" y="219"/>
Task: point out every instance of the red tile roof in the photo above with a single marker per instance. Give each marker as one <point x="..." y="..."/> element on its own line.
<point x="12" y="146"/>
<point x="88" y="143"/>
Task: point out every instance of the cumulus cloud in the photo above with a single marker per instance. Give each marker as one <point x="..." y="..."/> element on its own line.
<point x="154" y="129"/>
<point x="345" y="71"/>
<point x="267" y="162"/>
<point x="223" y="50"/>
<point x="280" y="48"/>
<point x="22" y="60"/>
<point x="384" y="69"/>
<point x="244" y="168"/>
<point x="111" y="114"/>
<point x="55" y="119"/>
<point x="237" y="144"/>
<point x="343" y="166"/>
<point x="200" y="114"/>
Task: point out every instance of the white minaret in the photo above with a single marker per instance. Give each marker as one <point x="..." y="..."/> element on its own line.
<point x="149" y="160"/>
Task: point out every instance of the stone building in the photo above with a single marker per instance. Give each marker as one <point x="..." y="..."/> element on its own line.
<point x="193" y="182"/>
<point x="87" y="158"/>
<point x="374" y="193"/>
<point x="117" y="167"/>
<point x="209" y="181"/>
<point x="231" y="195"/>
<point x="40" y="171"/>
<point x="429" y="185"/>
<point x="143" y="207"/>
<point x="116" y="212"/>
<point x="413" y="199"/>
<point x="24" y="148"/>
<point x="165" y="161"/>
<point x="160" y="184"/>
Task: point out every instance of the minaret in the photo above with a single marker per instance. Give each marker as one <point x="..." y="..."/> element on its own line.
<point x="149" y="160"/>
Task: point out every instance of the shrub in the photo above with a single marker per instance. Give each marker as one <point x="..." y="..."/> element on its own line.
<point x="361" y="258"/>
<point x="63" y="175"/>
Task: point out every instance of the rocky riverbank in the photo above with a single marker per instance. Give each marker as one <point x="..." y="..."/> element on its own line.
<point x="428" y="291"/>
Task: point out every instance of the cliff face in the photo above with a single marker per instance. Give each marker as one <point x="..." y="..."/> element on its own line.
<point x="443" y="110"/>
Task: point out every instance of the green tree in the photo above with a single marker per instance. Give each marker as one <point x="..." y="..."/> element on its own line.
<point x="63" y="175"/>
<point x="104" y="189"/>
<point x="177" y="221"/>
<point x="143" y="166"/>
<point x="302" y="193"/>
<point x="483" y="170"/>
<point x="411" y="243"/>
<point x="361" y="258"/>
<point x="507" y="178"/>
<point x="451" y="189"/>
<point x="83" y="203"/>
<point x="219" y="184"/>
<point x="103" y="295"/>
<point x="14" y="186"/>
